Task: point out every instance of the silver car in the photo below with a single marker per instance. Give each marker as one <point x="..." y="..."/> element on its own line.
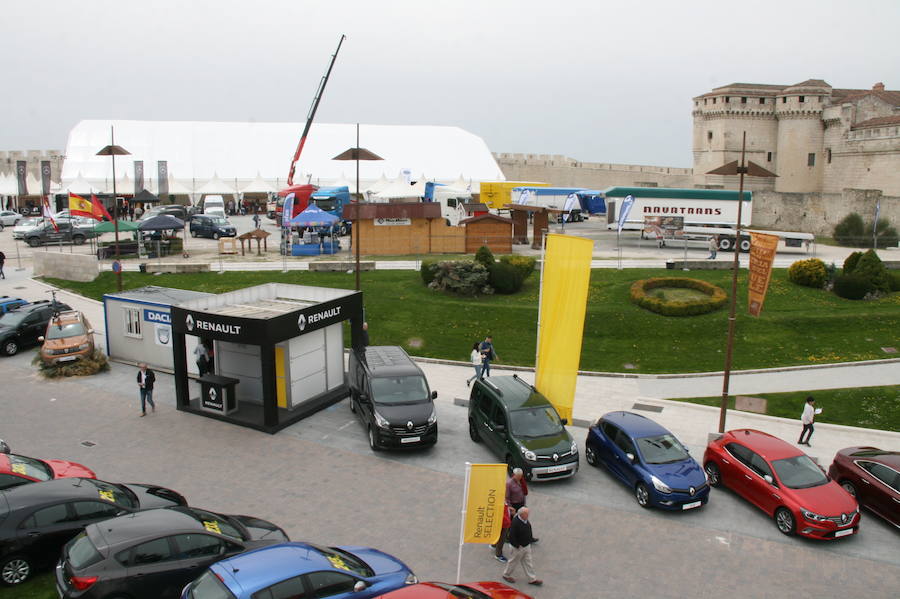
<point x="25" y="225"/>
<point x="8" y="218"/>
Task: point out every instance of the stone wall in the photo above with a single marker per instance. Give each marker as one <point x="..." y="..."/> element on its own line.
<point x="818" y="213"/>
<point x="562" y="171"/>
<point x="71" y="267"/>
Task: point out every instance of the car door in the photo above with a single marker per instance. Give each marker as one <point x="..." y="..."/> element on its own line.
<point x="735" y="465"/>
<point x="292" y="588"/>
<point x="761" y="492"/>
<point x="44" y="532"/>
<point x="606" y="446"/>
<point x="32" y="327"/>
<point x="883" y="493"/>
<point x="149" y="565"/>
<point x="90" y="511"/>
<point x="193" y="553"/>
<point x="328" y="584"/>
<point x="503" y="440"/>
<point x="480" y="413"/>
<point x="623" y="467"/>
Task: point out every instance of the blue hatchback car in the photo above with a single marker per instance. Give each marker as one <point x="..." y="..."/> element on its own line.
<point x="302" y="570"/>
<point x="649" y="460"/>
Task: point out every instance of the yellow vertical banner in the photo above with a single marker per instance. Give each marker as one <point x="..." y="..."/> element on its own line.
<point x="565" y="278"/>
<point x="485" y="496"/>
<point x="762" y="254"/>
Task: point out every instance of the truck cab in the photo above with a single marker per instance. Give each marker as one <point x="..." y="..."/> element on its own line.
<point x="332" y="200"/>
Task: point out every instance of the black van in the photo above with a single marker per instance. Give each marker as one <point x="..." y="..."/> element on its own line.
<point x="390" y="395"/>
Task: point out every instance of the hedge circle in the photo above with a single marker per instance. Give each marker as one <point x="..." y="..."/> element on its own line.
<point x="715" y="296"/>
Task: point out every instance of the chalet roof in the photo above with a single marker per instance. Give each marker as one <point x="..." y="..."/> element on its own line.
<point x="376" y="210"/>
<point x="486" y="217"/>
<point x="878" y="122"/>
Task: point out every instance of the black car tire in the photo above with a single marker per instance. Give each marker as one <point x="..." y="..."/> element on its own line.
<point x="34" y="242"/>
<point x="14" y="570"/>
<point x="473" y="432"/>
<point x="10" y="347"/>
<point x="589" y="456"/>
<point x="848" y="486"/>
<point x="216" y="235"/>
<point x="78" y="239"/>
<point x="509" y="464"/>
<point x="784" y="520"/>
<point x="353" y="401"/>
<point x="193" y="233"/>
<point x="642" y="495"/>
<point x="745" y="245"/>
<point x="726" y="244"/>
<point x="372" y="444"/>
<point x="712" y="471"/>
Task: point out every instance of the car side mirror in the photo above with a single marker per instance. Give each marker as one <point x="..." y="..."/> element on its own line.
<point x="359" y="586"/>
<point x="434" y="395"/>
<point x="630" y="457"/>
<point x="769" y="479"/>
<point x="564" y="421"/>
<point x="41" y="338"/>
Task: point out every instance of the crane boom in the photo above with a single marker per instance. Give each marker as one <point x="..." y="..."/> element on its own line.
<point x="312" y="112"/>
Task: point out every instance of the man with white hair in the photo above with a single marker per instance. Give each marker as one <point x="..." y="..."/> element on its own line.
<point x="520" y="539"/>
<point x="516" y="489"/>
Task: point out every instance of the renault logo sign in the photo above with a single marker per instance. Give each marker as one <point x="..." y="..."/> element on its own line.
<point x="409" y="425"/>
<point x="301" y="321"/>
<point x="555" y="457"/>
<point x="843" y="518"/>
<point x="212" y="393"/>
<point x="189" y="322"/>
<point x="692" y="490"/>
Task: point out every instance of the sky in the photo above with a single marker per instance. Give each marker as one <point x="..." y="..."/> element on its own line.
<point x="594" y="80"/>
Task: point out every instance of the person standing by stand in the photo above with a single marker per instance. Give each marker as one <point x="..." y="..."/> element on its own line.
<point x="521" y="540"/>
<point x="145" y="380"/>
<point x="508" y="514"/>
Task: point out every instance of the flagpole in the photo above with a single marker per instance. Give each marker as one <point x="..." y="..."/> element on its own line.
<point x="537" y="341"/>
<point x="462" y="522"/>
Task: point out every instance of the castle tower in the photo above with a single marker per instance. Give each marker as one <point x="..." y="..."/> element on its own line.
<point x="800" y="161"/>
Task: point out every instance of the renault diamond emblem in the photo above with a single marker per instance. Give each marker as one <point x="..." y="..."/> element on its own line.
<point x="409" y="425"/>
<point x="555" y="457"/>
<point x="301" y="321"/>
<point x="843" y="518"/>
<point x="212" y="393"/>
<point x="692" y="490"/>
<point x="189" y="322"/>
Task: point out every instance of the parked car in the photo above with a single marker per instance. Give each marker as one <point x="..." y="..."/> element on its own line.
<point x="389" y="394"/>
<point x="36" y="521"/>
<point x="214" y="205"/>
<point x="10" y="303"/>
<point x="469" y="590"/>
<point x="154" y="553"/>
<point x="25" y="225"/>
<point x="648" y="459"/>
<point x="871" y="475"/>
<point x="18" y="470"/>
<point x="205" y="225"/>
<point x="783" y="482"/>
<point x="65" y="231"/>
<point x="302" y="570"/>
<point x="9" y="218"/>
<point x="24" y="325"/>
<point x="179" y="211"/>
<point x="521" y="427"/>
<point x="69" y="337"/>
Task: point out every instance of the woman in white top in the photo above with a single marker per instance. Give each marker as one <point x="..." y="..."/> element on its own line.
<point x="477" y="361"/>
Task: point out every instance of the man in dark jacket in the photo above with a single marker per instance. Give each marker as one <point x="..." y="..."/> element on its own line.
<point x="145" y="380"/>
<point x="521" y="539"/>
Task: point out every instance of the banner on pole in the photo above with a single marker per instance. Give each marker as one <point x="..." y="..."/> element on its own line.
<point x="484" y="503"/>
<point x="564" y="289"/>
<point x="162" y="184"/>
<point x="21" y="173"/>
<point x="762" y="254"/>
<point x="138" y="177"/>
<point x="625" y="210"/>
<point x="287" y="211"/>
<point x="45" y="177"/>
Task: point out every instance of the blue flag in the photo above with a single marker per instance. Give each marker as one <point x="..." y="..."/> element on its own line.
<point x="626" y="209"/>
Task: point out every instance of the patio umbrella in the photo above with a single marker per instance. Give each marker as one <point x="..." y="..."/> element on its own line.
<point x="163" y="222"/>
<point x="314" y="217"/>
<point x="108" y="227"/>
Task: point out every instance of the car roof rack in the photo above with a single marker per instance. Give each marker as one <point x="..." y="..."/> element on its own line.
<point x="521" y="380"/>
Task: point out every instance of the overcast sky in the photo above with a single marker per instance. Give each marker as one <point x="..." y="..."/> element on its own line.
<point x="595" y="80"/>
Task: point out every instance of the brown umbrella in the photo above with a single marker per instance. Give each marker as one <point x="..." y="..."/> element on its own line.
<point x="357" y="154"/>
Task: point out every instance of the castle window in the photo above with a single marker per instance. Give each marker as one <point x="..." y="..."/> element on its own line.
<point x="743" y="100"/>
<point x="714" y="100"/>
<point x="811" y="159"/>
<point x="727" y="99"/>
<point x="768" y="156"/>
<point x="709" y="136"/>
<point x="784" y="99"/>
<point x="802" y="99"/>
<point x="828" y="153"/>
<point x="762" y="100"/>
<point x="704" y="101"/>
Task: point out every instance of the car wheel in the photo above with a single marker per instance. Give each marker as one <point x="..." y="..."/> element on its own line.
<point x="216" y="235"/>
<point x="34" y="242"/>
<point x="784" y="520"/>
<point x="642" y="495"/>
<point x="193" y="233"/>
<point x="726" y="244"/>
<point x="14" y="570"/>
<point x="10" y="348"/>
<point x="473" y="432"/>
<point x="372" y="444"/>
<point x="590" y="456"/>
<point x="509" y="464"/>
<point x="712" y="471"/>
<point x="353" y="403"/>
<point x="848" y="486"/>
<point x="745" y="245"/>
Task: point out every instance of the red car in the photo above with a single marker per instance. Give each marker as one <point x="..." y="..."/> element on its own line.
<point x="18" y="470"/>
<point x="469" y="590"/>
<point x="783" y="482"/>
<point x="872" y="476"/>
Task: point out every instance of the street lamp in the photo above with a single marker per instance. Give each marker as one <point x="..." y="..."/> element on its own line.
<point x="112" y="150"/>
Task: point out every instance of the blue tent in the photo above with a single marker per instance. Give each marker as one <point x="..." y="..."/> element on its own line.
<point x="592" y="201"/>
<point x="314" y="217"/>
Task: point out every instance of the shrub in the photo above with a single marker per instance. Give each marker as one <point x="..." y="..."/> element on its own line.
<point x="852" y="287"/>
<point x="461" y="277"/>
<point x="524" y="264"/>
<point x="809" y="273"/>
<point x="885" y="234"/>
<point x="871" y="268"/>
<point x="427" y="270"/>
<point x="86" y="366"/>
<point x="485" y="256"/>
<point x="850" y="262"/>
<point x="850" y="231"/>
<point x="505" y="278"/>
<point x="894" y="278"/>
<point x="716" y="296"/>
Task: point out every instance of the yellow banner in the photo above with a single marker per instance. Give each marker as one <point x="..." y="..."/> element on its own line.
<point x="565" y="279"/>
<point x="762" y="254"/>
<point x="484" y="503"/>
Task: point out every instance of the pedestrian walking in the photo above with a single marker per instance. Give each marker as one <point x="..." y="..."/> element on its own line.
<point x="516" y="489"/>
<point x="487" y="354"/>
<point x="202" y="357"/>
<point x="713" y="247"/>
<point x="256" y="220"/>
<point x="365" y="334"/>
<point x="807" y="418"/>
<point x="508" y="514"/>
<point x="210" y="356"/>
<point x="145" y="379"/>
<point x="476" y="360"/>
<point x="521" y="540"/>
<point x="2" y="261"/>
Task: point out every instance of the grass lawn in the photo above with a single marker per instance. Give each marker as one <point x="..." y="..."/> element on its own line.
<point x="41" y="586"/>
<point x="798" y="325"/>
<point x="869" y="407"/>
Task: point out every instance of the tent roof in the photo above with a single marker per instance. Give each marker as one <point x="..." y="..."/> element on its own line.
<point x="8" y="185"/>
<point x="79" y="185"/>
<point x="215" y="185"/>
<point x="259" y="185"/>
<point x="201" y="149"/>
<point x="401" y="189"/>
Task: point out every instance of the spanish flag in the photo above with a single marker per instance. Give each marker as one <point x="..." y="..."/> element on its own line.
<point x="78" y="206"/>
<point x="98" y="210"/>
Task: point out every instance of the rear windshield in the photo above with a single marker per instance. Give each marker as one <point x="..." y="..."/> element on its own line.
<point x="535" y="422"/>
<point x="13" y="319"/>
<point x="82" y="553"/>
<point x="112" y="493"/>
<point x="216" y="523"/>
<point x="208" y="586"/>
<point x="799" y="472"/>
<point x="399" y="390"/>
<point x="73" y="329"/>
<point x="30" y="467"/>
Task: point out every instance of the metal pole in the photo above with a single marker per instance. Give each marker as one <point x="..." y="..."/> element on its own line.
<point x="356" y="223"/>
<point x="112" y="142"/>
<point x="18" y="257"/>
<point x="729" y="346"/>
<point x="462" y="523"/>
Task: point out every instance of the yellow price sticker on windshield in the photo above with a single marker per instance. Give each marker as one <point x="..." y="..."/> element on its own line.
<point x="212" y="526"/>
<point x="19" y="468"/>
<point x="108" y="496"/>
<point x="338" y="562"/>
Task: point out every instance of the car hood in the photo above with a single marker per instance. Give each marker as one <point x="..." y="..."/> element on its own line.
<point x="826" y="500"/>
<point x="151" y="496"/>
<point x="400" y="414"/>
<point x="380" y="562"/>
<point x="495" y="590"/>
<point x="556" y="443"/>
<point x="262" y="530"/>
<point x="680" y="475"/>
<point x="65" y="469"/>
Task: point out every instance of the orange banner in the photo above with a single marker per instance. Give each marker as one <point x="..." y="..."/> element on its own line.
<point x="762" y="254"/>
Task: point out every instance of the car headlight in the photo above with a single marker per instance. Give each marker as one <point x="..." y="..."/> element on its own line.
<point x="813" y="517"/>
<point x="84" y="346"/>
<point x="660" y="485"/>
<point x="574" y="447"/>
<point x="529" y="455"/>
<point x="411" y="579"/>
<point x="381" y="421"/>
<point x="433" y="418"/>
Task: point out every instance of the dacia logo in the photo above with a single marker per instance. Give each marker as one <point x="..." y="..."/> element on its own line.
<point x="301" y="322"/>
<point x="189" y="322"/>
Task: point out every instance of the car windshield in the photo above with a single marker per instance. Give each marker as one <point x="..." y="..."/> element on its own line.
<point x="799" y="472"/>
<point x="344" y="560"/>
<point x="30" y="467"/>
<point x="28" y="222"/>
<point x="81" y="552"/>
<point x="399" y="389"/>
<point x="216" y="523"/>
<point x="535" y="422"/>
<point x="13" y="318"/>
<point x="72" y="329"/>
<point x="113" y="493"/>
<point x="208" y="586"/>
<point x="662" y="449"/>
<point x="218" y="220"/>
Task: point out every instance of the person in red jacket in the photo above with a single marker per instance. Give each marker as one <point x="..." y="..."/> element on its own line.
<point x="508" y="514"/>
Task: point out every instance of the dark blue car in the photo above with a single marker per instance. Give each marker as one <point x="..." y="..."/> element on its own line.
<point x="649" y="460"/>
<point x="302" y="570"/>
